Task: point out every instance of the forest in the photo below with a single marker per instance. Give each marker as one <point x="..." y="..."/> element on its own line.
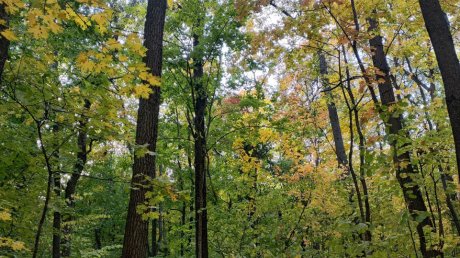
<point x="229" y="128"/>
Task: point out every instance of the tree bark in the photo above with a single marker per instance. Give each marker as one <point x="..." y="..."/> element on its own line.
<point x="405" y="172"/>
<point x="136" y="230"/>
<point x="333" y="115"/>
<point x="200" y="92"/>
<point x="437" y="25"/>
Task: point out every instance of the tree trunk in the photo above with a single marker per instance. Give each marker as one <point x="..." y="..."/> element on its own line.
<point x="97" y="239"/>
<point x="201" y="223"/>
<point x="57" y="214"/>
<point x="353" y="110"/>
<point x="82" y="157"/>
<point x="154" y="238"/>
<point x="437" y="25"/>
<point x="405" y="173"/>
<point x="333" y="115"/>
<point x="4" y="43"/>
<point x="136" y="230"/>
<point x="446" y="178"/>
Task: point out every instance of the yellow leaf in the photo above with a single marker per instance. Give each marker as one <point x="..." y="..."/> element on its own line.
<point x="154" y="80"/>
<point x="60" y="118"/>
<point x="18" y="246"/>
<point x="113" y="44"/>
<point x="142" y="91"/>
<point x="5" y="216"/>
<point x="9" y="35"/>
<point x="122" y="58"/>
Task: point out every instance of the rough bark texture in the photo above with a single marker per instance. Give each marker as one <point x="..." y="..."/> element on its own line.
<point x="135" y="242"/>
<point x="405" y="174"/>
<point x="4" y="43"/>
<point x="437" y="25"/>
<point x="333" y="115"/>
<point x="201" y="218"/>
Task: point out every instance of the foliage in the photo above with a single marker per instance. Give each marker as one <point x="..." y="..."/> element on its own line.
<point x="274" y="186"/>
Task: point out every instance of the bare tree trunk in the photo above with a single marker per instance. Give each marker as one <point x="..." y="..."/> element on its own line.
<point x="437" y="25"/>
<point x="405" y="172"/>
<point x="136" y="230"/>
<point x="200" y="103"/>
<point x="333" y="115"/>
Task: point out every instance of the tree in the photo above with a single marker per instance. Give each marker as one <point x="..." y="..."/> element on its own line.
<point x="199" y="134"/>
<point x="405" y="173"/>
<point x="437" y="25"/>
<point x="136" y="230"/>
<point x="272" y="139"/>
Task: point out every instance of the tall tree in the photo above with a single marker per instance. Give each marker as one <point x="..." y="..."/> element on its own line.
<point x="136" y="230"/>
<point x="405" y="172"/>
<point x="437" y="25"/>
<point x="200" y="104"/>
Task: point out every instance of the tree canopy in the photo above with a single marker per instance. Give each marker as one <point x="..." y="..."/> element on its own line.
<point x="229" y="128"/>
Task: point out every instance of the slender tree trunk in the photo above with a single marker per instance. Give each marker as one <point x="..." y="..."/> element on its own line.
<point x="181" y="182"/>
<point x="192" y="190"/>
<point x="333" y="115"/>
<point x="353" y="110"/>
<point x="154" y="238"/>
<point x="201" y="217"/>
<point x="4" y="43"/>
<point x="136" y="230"/>
<point x="437" y="25"/>
<point x="82" y="157"/>
<point x="405" y="172"/>
<point x="49" y="187"/>
<point x="97" y="239"/>
<point x="57" y="214"/>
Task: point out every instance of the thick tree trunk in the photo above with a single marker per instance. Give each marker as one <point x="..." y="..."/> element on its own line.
<point x="437" y="25"/>
<point x="136" y="230"/>
<point x="4" y="43"/>
<point x="333" y="115"/>
<point x="405" y="173"/>
<point x="201" y="218"/>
